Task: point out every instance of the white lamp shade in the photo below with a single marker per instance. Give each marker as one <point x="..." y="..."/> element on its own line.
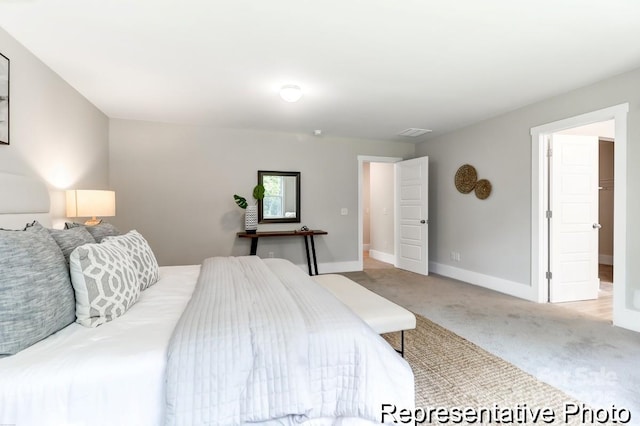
<point x="91" y="203"/>
<point x="291" y="93"/>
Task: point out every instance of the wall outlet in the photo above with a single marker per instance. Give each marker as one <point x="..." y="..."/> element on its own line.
<point x="270" y="254"/>
<point x="455" y="256"/>
<point x="344" y="211"/>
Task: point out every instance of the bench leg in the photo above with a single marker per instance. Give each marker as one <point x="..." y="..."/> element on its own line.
<point x="401" y="351"/>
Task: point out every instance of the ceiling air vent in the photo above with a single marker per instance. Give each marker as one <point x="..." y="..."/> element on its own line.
<point x="413" y="132"/>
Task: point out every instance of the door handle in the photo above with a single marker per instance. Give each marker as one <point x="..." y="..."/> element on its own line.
<point x="423" y="221"/>
<point x="597" y="226"/>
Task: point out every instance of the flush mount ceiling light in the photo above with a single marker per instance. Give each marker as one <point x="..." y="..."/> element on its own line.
<point x="291" y="93"/>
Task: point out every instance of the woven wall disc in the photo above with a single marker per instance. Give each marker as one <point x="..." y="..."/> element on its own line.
<point x="466" y="178"/>
<point x="483" y="189"/>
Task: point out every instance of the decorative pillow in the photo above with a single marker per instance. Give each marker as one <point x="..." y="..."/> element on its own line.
<point x="105" y="281"/>
<point x="69" y="239"/>
<point x="98" y="232"/>
<point x="143" y="258"/>
<point x="36" y="296"/>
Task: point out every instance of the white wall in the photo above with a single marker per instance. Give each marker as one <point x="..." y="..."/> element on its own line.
<point x="493" y="236"/>
<point x="56" y="133"/>
<point x="366" y="206"/>
<point x="175" y="184"/>
<point x="381" y="213"/>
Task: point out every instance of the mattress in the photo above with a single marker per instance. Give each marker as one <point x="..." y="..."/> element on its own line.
<point x="109" y="375"/>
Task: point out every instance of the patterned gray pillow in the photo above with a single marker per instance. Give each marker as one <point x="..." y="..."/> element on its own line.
<point x="98" y="232"/>
<point x="141" y="254"/>
<point x="36" y="297"/>
<point x="69" y="239"/>
<point x="105" y="282"/>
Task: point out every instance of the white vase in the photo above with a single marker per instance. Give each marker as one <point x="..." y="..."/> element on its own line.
<point x="251" y="219"/>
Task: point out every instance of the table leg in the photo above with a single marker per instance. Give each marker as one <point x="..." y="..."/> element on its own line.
<point x="254" y="246"/>
<point x="306" y="246"/>
<point x="313" y="252"/>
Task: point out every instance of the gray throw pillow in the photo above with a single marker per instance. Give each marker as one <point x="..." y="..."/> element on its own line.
<point x="141" y="254"/>
<point x="36" y="296"/>
<point x="105" y="282"/>
<point x="69" y="239"/>
<point x="98" y="232"/>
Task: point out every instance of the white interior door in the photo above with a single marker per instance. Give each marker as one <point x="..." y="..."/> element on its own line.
<point x="412" y="215"/>
<point x="573" y="232"/>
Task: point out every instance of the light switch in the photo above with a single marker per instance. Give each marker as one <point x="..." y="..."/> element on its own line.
<point x="344" y="211"/>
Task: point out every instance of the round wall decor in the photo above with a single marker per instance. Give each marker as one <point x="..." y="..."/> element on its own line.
<point x="483" y="189"/>
<point x="466" y="178"/>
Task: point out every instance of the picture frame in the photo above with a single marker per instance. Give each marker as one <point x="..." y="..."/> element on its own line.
<point x="4" y="99"/>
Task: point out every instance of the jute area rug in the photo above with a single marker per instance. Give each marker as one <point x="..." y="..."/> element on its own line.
<point x="451" y="372"/>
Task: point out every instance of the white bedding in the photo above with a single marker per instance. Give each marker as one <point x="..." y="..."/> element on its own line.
<point x="261" y="342"/>
<point x="110" y="375"/>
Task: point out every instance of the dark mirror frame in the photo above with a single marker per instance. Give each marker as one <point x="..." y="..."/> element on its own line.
<point x="296" y="219"/>
<point x="6" y="123"/>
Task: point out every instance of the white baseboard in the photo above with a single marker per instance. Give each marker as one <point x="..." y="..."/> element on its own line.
<point x="382" y="256"/>
<point x="628" y="318"/>
<point x="512" y="288"/>
<point x="605" y="259"/>
<point x="366" y="247"/>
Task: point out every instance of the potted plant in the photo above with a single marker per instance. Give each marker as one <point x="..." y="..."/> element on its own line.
<point x="251" y="215"/>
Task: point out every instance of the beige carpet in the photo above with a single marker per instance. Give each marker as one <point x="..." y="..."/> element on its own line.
<point x="452" y="372"/>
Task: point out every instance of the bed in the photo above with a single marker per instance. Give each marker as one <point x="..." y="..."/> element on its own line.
<point x="168" y="360"/>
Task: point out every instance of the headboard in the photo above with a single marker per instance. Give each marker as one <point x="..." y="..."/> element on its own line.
<point x="23" y="199"/>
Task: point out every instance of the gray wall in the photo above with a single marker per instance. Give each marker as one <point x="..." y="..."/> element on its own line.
<point x="493" y="236"/>
<point x="56" y="134"/>
<point x="175" y="184"/>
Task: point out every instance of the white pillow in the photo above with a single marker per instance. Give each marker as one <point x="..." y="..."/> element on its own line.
<point x="105" y="282"/>
<point x="143" y="258"/>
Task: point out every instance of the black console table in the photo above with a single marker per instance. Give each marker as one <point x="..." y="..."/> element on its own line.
<point x="310" y="233"/>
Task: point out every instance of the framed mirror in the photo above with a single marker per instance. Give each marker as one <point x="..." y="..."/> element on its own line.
<point x="281" y="202"/>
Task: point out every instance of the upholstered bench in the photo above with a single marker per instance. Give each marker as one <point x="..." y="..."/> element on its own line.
<point x="382" y="315"/>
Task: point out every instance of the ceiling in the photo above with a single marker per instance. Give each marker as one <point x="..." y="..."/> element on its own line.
<point x="368" y="68"/>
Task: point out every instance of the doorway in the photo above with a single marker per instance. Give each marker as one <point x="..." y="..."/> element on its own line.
<point x="623" y="314"/>
<point x="364" y="205"/>
<point x="404" y="243"/>
<point x="378" y="213"/>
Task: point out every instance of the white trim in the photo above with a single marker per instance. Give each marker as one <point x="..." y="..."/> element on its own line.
<point x="605" y="259"/>
<point x="382" y="256"/>
<point x="361" y="160"/>
<point x="512" y="288"/>
<point x="623" y="316"/>
<point x="333" y="267"/>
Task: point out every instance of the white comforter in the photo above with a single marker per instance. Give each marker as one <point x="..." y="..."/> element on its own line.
<point x="261" y="342"/>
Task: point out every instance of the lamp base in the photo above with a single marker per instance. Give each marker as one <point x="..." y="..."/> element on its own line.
<point x="93" y="221"/>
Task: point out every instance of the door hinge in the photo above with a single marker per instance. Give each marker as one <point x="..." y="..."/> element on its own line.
<point x="549" y="275"/>
<point x="549" y="214"/>
<point x="549" y="152"/>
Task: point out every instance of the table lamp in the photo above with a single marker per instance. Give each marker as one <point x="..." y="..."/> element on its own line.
<point x="91" y="203"/>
